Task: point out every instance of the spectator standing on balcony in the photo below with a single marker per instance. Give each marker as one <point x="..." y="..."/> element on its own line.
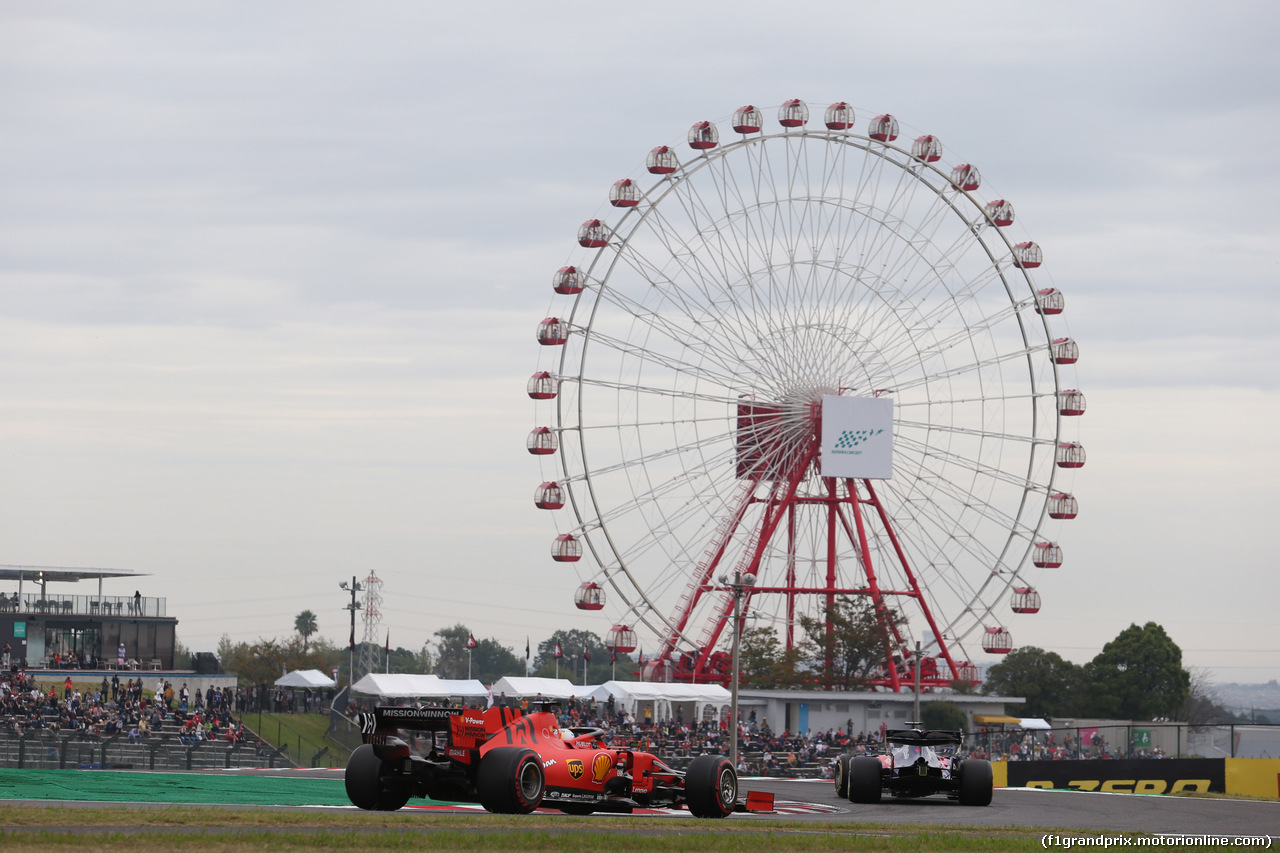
<point x="137" y="602"/>
<point x="120" y="657"/>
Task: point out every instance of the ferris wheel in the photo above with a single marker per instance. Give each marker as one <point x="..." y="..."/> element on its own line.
<point x="816" y="357"/>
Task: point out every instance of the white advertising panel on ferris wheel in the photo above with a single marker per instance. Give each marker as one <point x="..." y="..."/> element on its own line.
<point x="857" y="437"/>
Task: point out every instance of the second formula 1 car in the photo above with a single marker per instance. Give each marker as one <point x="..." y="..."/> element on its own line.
<point x="915" y="763"/>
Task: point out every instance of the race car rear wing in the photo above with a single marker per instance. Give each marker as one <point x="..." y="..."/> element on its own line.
<point x="467" y="728"/>
<point x="916" y="737"/>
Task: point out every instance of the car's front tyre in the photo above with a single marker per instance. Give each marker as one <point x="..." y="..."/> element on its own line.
<point x="711" y="786"/>
<point x="842" y="775"/>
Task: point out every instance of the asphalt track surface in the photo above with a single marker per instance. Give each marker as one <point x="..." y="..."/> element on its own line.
<point x="816" y="802"/>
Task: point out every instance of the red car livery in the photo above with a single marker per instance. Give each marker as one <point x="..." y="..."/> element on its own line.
<point x="511" y="762"/>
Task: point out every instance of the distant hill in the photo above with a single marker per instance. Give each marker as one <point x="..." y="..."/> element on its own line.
<point x="1245" y="698"/>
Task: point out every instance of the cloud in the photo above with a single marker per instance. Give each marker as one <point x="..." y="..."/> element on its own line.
<point x="269" y="277"/>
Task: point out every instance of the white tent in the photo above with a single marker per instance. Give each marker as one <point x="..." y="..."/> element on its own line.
<point x="690" y="702"/>
<point x="1034" y="723"/>
<point x="312" y="678"/>
<point x="550" y="688"/>
<point x="399" y="685"/>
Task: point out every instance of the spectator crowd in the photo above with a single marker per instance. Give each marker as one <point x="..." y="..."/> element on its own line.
<point x="113" y="708"/>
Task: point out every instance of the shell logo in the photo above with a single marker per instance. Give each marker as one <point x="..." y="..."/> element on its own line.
<point x="600" y="766"/>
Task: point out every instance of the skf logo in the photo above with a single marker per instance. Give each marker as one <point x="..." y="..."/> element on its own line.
<point x="575" y="767"/>
<point x="600" y="767"/>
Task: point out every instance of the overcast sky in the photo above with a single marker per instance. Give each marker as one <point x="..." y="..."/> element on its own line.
<point x="269" y="274"/>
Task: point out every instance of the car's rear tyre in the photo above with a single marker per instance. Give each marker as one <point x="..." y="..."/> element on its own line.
<point x="711" y="786"/>
<point x="864" y="780"/>
<point x="842" y="775"/>
<point x="509" y="780"/>
<point x="365" y="787"/>
<point x="976" y="783"/>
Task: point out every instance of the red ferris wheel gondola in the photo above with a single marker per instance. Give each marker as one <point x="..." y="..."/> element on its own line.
<point x="997" y="641"/>
<point x="793" y="113"/>
<point x="589" y="597"/>
<point x="621" y="638"/>
<point x="542" y="442"/>
<point x="543" y="386"/>
<point x="1025" y="600"/>
<point x="1047" y="555"/>
<point x="747" y="120"/>
<point x="839" y="116"/>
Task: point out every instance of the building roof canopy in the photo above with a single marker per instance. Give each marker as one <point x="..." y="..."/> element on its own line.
<point x="54" y="574"/>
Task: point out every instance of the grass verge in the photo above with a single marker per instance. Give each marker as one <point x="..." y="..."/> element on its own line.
<point x="304" y="734"/>
<point x="221" y="830"/>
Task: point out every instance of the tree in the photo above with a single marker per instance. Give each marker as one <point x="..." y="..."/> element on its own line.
<point x="1138" y="675"/>
<point x="305" y="625"/>
<point x="224" y="647"/>
<point x="856" y="643"/>
<point x="181" y="655"/>
<point x="763" y="664"/>
<point x="943" y="715"/>
<point x="572" y="641"/>
<point x="264" y="661"/>
<point x="489" y="660"/>
<point x="1050" y="684"/>
<point x="407" y="660"/>
<point x="1203" y="706"/>
<point x="451" y="651"/>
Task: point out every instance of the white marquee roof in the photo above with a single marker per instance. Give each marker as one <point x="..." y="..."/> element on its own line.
<point x="399" y="685"/>
<point x="550" y="688"/>
<point x="312" y="678"/>
<point x="644" y="691"/>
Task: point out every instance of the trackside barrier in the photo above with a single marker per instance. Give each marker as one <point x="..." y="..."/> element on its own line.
<point x="1253" y="777"/>
<point x="1087" y="739"/>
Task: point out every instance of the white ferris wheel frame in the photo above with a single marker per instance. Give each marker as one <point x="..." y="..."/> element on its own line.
<point x="593" y="514"/>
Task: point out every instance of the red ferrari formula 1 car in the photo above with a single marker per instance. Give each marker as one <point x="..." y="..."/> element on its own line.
<point x="512" y="763"/>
